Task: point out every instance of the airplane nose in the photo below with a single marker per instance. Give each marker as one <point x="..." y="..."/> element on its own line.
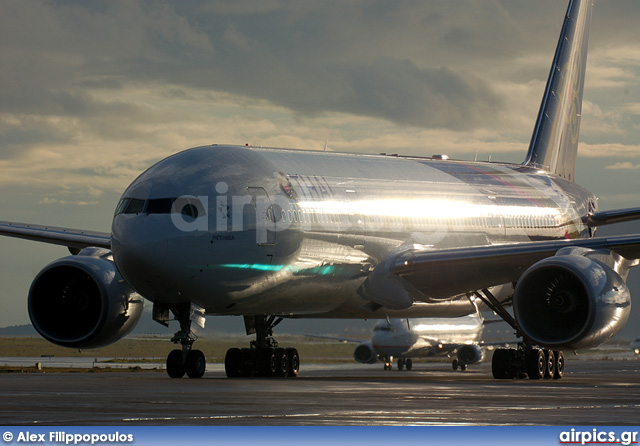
<point x="139" y="245"/>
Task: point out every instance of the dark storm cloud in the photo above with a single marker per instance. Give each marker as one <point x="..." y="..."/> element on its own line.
<point x="362" y="58"/>
<point x="408" y="62"/>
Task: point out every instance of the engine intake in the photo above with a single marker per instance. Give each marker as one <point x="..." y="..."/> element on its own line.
<point x="571" y="301"/>
<point x="365" y="353"/>
<point x="470" y="354"/>
<point x="82" y="301"/>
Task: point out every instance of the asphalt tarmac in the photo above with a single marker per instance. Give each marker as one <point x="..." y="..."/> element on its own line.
<point x="598" y="392"/>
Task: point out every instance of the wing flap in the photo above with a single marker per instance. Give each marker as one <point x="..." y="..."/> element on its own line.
<point x="71" y="238"/>
<point x="445" y="273"/>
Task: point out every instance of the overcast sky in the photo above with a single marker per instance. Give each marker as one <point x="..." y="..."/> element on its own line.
<point x="92" y="93"/>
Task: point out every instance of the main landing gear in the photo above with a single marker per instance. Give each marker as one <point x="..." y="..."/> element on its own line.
<point x="263" y="358"/>
<point x="525" y="361"/>
<point x="405" y="363"/>
<point x="508" y="363"/>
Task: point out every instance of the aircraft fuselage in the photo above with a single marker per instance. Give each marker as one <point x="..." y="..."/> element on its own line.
<point x="243" y="230"/>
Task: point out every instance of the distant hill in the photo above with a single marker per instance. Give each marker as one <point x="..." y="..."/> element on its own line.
<point x="233" y="325"/>
<point x="18" y="330"/>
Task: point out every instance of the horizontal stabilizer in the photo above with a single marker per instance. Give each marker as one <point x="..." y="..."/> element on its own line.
<point x="614" y="216"/>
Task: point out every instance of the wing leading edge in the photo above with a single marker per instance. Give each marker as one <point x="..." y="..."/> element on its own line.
<point x="74" y="239"/>
<point x="445" y="273"/>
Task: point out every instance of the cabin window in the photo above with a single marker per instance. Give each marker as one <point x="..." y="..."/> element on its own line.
<point x="190" y="210"/>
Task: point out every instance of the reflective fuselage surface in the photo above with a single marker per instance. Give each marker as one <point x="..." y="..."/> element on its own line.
<point x="243" y="230"/>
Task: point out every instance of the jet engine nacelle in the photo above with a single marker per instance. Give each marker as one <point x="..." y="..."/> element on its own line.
<point x="365" y="353"/>
<point x="82" y="301"/>
<point x="470" y="354"/>
<point x="571" y="301"/>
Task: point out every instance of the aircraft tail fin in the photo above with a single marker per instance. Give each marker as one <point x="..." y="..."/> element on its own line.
<point x="554" y="144"/>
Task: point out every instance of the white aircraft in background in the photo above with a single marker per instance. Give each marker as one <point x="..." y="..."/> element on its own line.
<point x="407" y="339"/>
<point x="273" y="233"/>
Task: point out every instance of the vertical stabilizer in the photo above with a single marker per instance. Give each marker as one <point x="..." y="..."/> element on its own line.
<point x="554" y="144"/>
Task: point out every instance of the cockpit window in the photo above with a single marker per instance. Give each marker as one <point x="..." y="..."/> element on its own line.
<point x="382" y="328"/>
<point x="122" y="205"/>
<point x="191" y="206"/>
<point x="135" y="206"/>
<point x="160" y="206"/>
<point x="130" y="206"/>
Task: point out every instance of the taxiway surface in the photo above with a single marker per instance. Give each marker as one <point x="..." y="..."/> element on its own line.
<point x="599" y="392"/>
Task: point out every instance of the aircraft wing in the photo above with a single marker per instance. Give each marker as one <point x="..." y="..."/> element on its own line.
<point x="449" y="272"/>
<point x="336" y="338"/>
<point x="74" y="239"/>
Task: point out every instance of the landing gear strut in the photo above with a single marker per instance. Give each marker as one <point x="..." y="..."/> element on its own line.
<point x="456" y="364"/>
<point x="526" y="360"/>
<point x="264" y="357"/>
<point x="186" y="360"/>
<point x="405" y="363"/>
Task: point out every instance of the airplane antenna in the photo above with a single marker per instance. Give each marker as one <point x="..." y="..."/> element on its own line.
<point x="326" y="143"/>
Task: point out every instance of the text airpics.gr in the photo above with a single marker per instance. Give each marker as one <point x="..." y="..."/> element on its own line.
<point x="597" y="436"/>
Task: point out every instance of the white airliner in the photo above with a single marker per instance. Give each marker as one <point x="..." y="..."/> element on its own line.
<point x="406" y="339"/>
<point x="273" y="233"/>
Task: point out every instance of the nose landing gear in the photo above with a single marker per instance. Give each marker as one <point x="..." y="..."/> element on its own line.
<point x="193" y="364"/>
<point x="185" y="360"/>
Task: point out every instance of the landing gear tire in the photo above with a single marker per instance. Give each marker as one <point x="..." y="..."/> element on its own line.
<point x="196" y="364"/>
<point x="294" y="362"/>
<point x="535" y="364"/>
<point x="408" y="364"/>
<point x="282" y="362"/>
<point x="550" y="369"/>
<point x="401" y="363"/>
<point x="248" y="367"/>
<point x="502" y="363"/>
<point x="559" y="364"/>
<point x="175" y="364"/>
<point x="267" y="362"/>
<point x="233" y="363"/>
<point x="454" y="365"/>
